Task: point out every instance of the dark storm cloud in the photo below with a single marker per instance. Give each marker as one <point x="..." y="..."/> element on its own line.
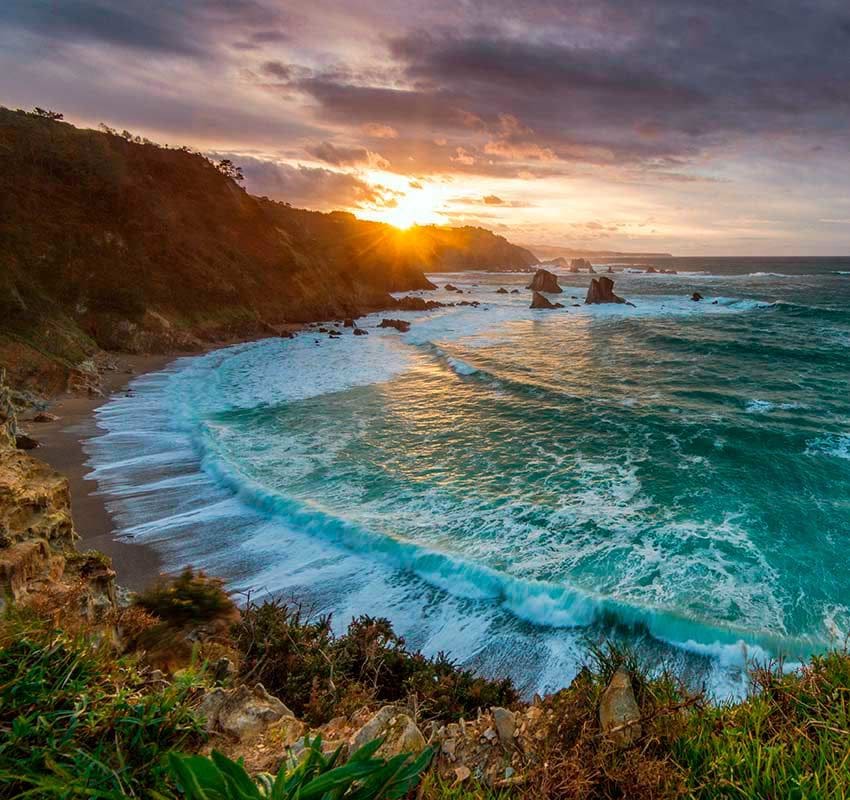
<point x="180" y="27"/>
<point x="338" y="156"/>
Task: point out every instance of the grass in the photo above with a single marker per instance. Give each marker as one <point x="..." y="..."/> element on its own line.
<point x="77" y="722"/>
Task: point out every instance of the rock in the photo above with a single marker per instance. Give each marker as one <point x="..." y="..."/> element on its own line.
<point x="602" y="291"/>
<point x="360" y="332"/>
<point x="462" y="773"/>
<point x="650" y="271"/>
<point x="348" y="323"/>
<point x="501" y="290"/>
<point x="398" y="324"/>
<point x="396" y="728"/>
<point x="450" y="287"/>
<point x="514" y="291"/>
<point x="696" y="297"/>
<point x="242" y="712"/>
<point x="24" y="442"/>
<point x="579" y="264"/>
<point x="505" y="723"/>
<point x="544" y="281"/>
<point x="410" y="303"/>
<point x="610" y="270"/>
<point x="44" y="416"/>
<point x="619" y="715"/>
<point x="539" y="301"/>
<point x="223" y="671"/>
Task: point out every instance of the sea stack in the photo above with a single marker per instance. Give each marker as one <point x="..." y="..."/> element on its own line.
<point x="539" y="301"/>
<point x="544" y="281"/>
<point x="602" y="291"/>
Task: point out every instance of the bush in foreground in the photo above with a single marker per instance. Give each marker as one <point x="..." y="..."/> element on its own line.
<point x="320" y="675"/>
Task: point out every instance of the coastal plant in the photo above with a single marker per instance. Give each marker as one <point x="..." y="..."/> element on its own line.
<point x="77" y="722"/>
<point x="321" y="675"/>
<point x="191" y="598"/>
<point x="315" y="777"/>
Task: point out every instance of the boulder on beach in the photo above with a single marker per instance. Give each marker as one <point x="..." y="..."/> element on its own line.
<point x="544" y="281"/>
<point x="24" y="442"/>
<point x="360" y="332"/>
<point x="602" y="291"/>
<point x="696" y="297"/>
<point x="514" y="291"/>
<point x="398" y="324"/>
<point x="450" y="287"/>
<point x="539" y="301"/>
<point x="501" y="290"/>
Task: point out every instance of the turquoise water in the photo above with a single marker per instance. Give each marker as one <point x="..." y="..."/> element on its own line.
<point x="508" y="484"/>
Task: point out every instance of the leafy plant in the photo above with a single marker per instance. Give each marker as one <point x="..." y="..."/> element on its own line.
<point x="76" y="722"/>
<point x="192" y="598"/>
<point x="317" y="777"/>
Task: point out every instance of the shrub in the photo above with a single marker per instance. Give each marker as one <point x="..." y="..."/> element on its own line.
<point x="191" y="598"/>
<point x="75" y="722"/>
<point x="320" y="675"/>
<point x="316" y="777"/>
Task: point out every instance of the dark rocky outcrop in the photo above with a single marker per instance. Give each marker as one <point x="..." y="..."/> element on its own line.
<point x="410" y="303"/>
<point x="578" y="264"/>
<point x="544" y="281"/>
<point x="501" y="290"/>
<point x="361" y="332"/>
<point x="539" y="301"/>
<point x="696" y="297"/>
<point x="514" y="291"/>
<point x="602" y="291"/>
<point x="398" y="324"/>
<point x="450" y="287"/>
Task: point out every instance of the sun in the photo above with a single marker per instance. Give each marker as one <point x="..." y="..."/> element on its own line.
<point x="415" y="208"/>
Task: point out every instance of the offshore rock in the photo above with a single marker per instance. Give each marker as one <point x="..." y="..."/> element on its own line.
<point x="539" y="301"/>
<point x="398" y="324"/>
<point x="602" y="291"/>
<point x="696" y="297"/>
<point x="619" y="715"/>
<point x="544" y="281"/>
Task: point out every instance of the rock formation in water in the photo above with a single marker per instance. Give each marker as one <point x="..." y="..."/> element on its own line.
<point x="578" y="264"/>
<point x="398" y="324"/>
<point x="539" y="301"/>
<point x="696" y="297"/>
<point x="544" y="281"/>
<point x="411" y="303"/>
<point x="501" y="290"/>
<point x="602" y="291"/>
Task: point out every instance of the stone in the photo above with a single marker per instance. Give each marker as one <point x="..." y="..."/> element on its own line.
<point x="242" y="712"/>
<point x="501" y="290"/>
<point x="44" y="416"/>
<point x="514" y="291"/>
<point x="398" y="324"/>
<point x="579" y="264"/>
<point x="696" y="297"/>
<point x="24" y="442"/>
<point x="544" y="281"/>
<point x="619" y="714"/>
<point x="361" y="332"/>
<point x="539" y="301"/>
<point x="602" y="291"/>
<point x="223" y="670"/>
<point x="462" y="773"/>
<point x="410" y="303"/>
<point x="397" y="729"/>
<point x="505" y="723"/>
<point x="450" y="287"/>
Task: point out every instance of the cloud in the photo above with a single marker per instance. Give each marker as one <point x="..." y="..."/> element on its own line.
<point x="493" y="200"/>
<point x="343" y="156"/>
<point x="310" y="187"/>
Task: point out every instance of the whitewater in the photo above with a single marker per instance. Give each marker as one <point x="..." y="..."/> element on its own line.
<point x="510" y="486"/>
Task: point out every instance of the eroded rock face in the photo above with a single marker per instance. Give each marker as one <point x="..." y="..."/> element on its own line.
<point x="411" y="303"/>
<point x="619" y="714"/>
<point x="396" y="728"/>
<point x="578" y="264"/>
<point x="242" y="712"/>
<point x="398" y="324"/>
<point x="539" y="301"/>
<point x="602" y="291"/>
<point x="545" y="281"/>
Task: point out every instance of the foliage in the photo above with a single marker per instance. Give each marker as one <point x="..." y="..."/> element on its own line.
<point x="47" y="114"/>
<point x="76" y="722"/>
<point x="788" y="739"/>
<point x="227" y="168"/>
<point x="316" y="777"/>
<point x="192" y="598"/>
<point x="320" y="675"/>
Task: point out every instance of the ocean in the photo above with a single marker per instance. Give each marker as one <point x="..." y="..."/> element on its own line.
<point x="511" y="486"/>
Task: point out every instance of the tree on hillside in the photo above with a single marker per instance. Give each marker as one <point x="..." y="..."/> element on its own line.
<point x="47" y="113"/>
<point x="227" y="168"/>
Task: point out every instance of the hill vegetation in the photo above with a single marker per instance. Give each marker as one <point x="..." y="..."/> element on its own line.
<point x="110" y="241"/>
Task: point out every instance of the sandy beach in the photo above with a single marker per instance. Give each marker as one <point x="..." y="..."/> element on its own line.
<point x="61" y="446"/>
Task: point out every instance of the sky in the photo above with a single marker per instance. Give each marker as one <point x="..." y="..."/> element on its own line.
<point x="697" y="127"/>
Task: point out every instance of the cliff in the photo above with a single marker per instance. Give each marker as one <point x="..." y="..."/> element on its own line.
<point x="113" y="244"/>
